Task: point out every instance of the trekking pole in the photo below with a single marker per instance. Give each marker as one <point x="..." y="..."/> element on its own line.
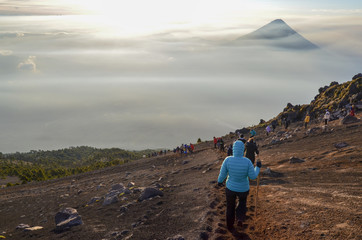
<point x="257" y="191"/>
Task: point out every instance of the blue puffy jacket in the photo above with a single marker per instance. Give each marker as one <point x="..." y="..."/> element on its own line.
<point x="238" y="169"/>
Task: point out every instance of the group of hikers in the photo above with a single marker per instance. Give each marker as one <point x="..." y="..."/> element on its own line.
<point x="184" y="149"/>
<point x="237" y="168"/>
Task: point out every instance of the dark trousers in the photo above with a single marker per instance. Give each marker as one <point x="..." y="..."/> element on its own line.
<point x="231" y="204"/>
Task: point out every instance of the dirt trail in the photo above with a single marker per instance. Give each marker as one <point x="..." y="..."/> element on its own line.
<point x="316" y="198"/>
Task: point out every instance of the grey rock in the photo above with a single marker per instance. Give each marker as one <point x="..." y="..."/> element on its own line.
<point x="149" y="193"/>
<point x="67" y="218"/>
<point x="349" y="119"/>
<point x="131" y="184"/>
<point x="110" y="200"/>
<point x="95" y="199"/>
<point x="22" y="226"/>
<point x="341" y="145"/>
<point x="267" y="171"/>
<point x="313" y="130"/>
<point x="117" y="187"/>
<point x="296" y="160"/>
<point x="177" y="237"/>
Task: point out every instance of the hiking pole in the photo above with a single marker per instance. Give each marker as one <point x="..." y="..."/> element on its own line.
<point x="257" y="191"/>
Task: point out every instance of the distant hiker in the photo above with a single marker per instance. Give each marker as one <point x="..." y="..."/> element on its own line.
<point x="237" y="169"/>
<point x="215" y="142"/>
<point x="241" y="138"/>
<point x="250" y="149"/>
<point x="352" y="112"/>
<point x="268" y="130"/>
<point x="274" y="124"/>
<point x="222" y="146"/>
<point x="192" y="148"/>
<point x="230" y="150"/>
<point x="252" y="133"/>
<point x="306" y="121"/>
<point x="287" y="123"/>
<point x="326" y="117"/>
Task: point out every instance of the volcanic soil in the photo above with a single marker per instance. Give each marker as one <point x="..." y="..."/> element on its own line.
<point x="312" y="190"/>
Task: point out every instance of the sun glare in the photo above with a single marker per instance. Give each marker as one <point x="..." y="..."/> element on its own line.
<point x="145" y="16"/>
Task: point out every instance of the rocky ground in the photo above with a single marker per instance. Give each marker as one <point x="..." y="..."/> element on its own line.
<point x="310" y="188"/>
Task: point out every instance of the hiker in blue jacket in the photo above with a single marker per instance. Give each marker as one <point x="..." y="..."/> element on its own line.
<point x="238" y="170"/>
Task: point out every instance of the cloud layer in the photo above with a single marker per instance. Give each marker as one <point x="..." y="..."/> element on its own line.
<point x="64" y="84"/>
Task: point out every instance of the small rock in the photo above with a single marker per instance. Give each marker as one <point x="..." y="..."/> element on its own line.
<point x="22" y="226"/>
<point x="341" y="145"/>
<point x="131" y="184"/>
<point x="177" y="237"/>
<point x="349" y="119"/>
<point x="117" y="187"/>
<point x="67" y="218"/>
<point x="185" y="162"/>
<point x="296" y="160"/>
<point x="95" y="199"/>
<point x="109" y="200"/>
<point x="267" y="171"/>
<point x="149" y="193"/>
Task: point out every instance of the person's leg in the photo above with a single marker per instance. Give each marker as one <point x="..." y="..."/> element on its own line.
<point x="241" y="209"/>
<point x="230" y="208"/>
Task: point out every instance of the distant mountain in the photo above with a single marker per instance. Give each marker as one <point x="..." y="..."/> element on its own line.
<point x="276" y="34"/>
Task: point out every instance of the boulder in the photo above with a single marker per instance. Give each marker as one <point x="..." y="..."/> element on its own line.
<point x="67" y="218"/>
<point x="149" y="193"/>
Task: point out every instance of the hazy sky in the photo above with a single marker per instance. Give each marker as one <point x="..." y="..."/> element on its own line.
<point x="150" y="74"/>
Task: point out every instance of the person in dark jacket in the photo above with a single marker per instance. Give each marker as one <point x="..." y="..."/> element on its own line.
<point x="237" y="170"/>
<point x="251" y="149"/>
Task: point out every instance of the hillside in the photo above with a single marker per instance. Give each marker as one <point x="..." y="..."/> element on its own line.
<point x="310" y="188"/>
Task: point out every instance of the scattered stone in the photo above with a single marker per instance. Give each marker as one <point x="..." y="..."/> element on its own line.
<point x="30" y="229"/>
<point x="100" y="186"/>
<point x="296" y="160"/>
<point x="149" y="193"/>
<point x="117" y="187"/>
<point x="127" y="191"/>
<point x="177" y="237"/>
<point x="131" y="184"/>
<point x="313" y="130"/>
<point x="267" y="171"/>
<point x="341" y="145"/>
<point x="349" y="119"/>
<point x="185" y="162"/>
<point x="22" y="226"/>
<point x="67" y="218"/>
<point x="110" y="199"/>
<point x="95" y="199"/>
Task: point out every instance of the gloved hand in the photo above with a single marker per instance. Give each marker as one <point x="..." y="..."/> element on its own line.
<point x="258" y="164"/>
<point x="220" y="184"/>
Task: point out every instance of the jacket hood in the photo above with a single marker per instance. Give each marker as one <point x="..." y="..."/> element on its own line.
<point x="238" y="149"/>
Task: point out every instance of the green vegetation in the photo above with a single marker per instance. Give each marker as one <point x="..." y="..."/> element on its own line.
<point x="43" y="165"/>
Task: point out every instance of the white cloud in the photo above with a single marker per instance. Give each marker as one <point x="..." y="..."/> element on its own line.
<point x="6" y="52"/>
<point x="28" y="64"/>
